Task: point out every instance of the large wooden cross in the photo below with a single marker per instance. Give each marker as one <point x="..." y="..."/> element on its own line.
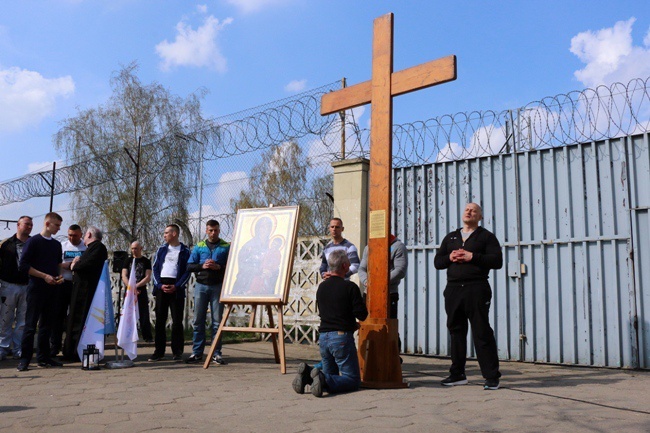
<point x="379" y="354"/>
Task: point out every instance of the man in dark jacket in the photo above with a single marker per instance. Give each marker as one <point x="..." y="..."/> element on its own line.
<point x="170" y="277"/>
<point x="208" y="260"/>
<point x="87" y="269"/>
<point x="339" y="304"/>
<point x="13" y="290"/>
<point x="469" y="254"/>
<point x="40" y="259"/>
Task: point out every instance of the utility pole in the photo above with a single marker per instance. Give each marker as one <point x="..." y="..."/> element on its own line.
<point x="50" y="183"/>
<point x="136" y="161"/>
<point x="190" y="138"/>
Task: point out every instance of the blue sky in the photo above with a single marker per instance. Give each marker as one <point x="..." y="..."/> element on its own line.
<point x="56" y="55"/>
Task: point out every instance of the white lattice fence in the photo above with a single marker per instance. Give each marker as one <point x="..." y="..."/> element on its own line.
<point x="300" y="316"/>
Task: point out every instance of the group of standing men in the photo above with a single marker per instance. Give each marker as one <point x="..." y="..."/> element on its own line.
<point x="47" y="285"/>
<point x="468" y="254"/>
<point x="38" y="290"/>
<point x="170" y="272"/>
<point x="172" y="266"/>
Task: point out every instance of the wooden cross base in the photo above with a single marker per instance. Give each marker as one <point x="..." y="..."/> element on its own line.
<point x="379" y="354"/>
<point x="277" y="334"/>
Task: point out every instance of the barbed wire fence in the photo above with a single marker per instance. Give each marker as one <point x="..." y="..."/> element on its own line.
<point x="229" y="146"/>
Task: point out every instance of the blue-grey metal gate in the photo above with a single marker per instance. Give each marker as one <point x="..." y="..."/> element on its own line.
<point x="574" y="225"/>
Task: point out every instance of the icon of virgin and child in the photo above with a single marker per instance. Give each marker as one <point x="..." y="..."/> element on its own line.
<point x="259" y="260"/>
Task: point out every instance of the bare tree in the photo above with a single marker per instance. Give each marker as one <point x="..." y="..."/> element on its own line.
<point x="168" y="165"/>
<point x="280" y="178"/>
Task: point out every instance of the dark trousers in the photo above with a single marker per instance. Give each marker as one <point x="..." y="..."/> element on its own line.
<point x="40" y="298"/>
<point x="393" y="299"/>
<point x="80" y="301"/>
<point x="61" y="305"/>
<point x="166" y="302"/>
<point x="143" y="309"/>
<point x="471" y="302"/>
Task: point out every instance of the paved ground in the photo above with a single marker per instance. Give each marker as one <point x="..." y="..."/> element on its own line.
<point x="250" y="395"/>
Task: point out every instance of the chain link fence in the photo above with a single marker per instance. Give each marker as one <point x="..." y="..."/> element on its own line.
<point x="241" y="157"/>
<point x="229" y="147"/>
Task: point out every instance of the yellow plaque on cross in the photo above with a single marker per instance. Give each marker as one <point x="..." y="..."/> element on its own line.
<point x="377" y="224"/>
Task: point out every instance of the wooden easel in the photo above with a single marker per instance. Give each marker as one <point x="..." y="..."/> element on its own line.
<point x="277" y="333"/>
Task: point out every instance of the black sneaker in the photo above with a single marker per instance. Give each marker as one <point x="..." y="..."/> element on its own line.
<point x="155" y="358"/>
<point x="23" y="366"/>
<point x="218" y="359"/>
<point x="177" y="357"/>
<point x="491" y="384"/>
<point x="49" y="363"/>
<point x="454" y="380"/>
<point x="318" y="382"/>
<point x="303" y="378"/>
<point x="193" y="359"/>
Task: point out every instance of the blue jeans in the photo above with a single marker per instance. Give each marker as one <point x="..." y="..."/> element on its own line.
<point x="205" y="296"/>
<point x="340" y="362"/>
<point x="12" y="310"/>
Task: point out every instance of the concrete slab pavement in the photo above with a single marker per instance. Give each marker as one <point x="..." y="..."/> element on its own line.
<point x="250" y="395"/>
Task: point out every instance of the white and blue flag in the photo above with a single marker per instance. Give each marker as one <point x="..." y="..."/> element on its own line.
<point x="127" y="332"/>
<point x="100" y="320"/>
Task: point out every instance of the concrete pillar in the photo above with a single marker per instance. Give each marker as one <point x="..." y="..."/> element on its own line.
<point x="351" y="199"/>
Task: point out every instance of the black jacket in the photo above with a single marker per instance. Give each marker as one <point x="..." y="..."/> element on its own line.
<point x="486" y="255"/>
<point x="339" y="305"/>
<point x="9" y="271"/>
<point x="88" y="270"/>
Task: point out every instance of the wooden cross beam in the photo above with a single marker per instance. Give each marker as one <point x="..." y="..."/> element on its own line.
<point x="382" y="370"/>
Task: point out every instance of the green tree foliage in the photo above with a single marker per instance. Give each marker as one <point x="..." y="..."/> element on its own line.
<point x="280" y="178"/>
<point x="168" y="165"/>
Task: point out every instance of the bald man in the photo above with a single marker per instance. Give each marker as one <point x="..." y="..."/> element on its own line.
<point x="142" y="278"/>
<point x="469" y="254"/>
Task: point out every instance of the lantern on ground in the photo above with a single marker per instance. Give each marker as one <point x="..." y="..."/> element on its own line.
<point x="90" y="358"/>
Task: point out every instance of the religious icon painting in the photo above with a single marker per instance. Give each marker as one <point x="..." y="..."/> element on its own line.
<point x="261" y="256"/>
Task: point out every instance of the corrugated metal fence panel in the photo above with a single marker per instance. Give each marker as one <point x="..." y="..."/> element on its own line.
<point x="566" y="213"/>
<point x="639" y="172"/>
<point x="428" y="204"/>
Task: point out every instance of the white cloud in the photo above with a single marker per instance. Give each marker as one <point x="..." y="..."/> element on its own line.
<point x="26" y="97"/>
<point x="229" y="186"/>
<point x="451" y="152"/>
<point x="39" y="166"/>
<point x="296" y="86"/>
<point x="202" y="8"/>
<point x="198" y="48"/>
<point x="217" y="202"/>
<point x="246" y="6"/>
<point x="487" y="140"/>
<point x="610" y="56"/>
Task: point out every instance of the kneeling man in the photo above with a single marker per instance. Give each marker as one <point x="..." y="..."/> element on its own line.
<point x="339" y="305"/>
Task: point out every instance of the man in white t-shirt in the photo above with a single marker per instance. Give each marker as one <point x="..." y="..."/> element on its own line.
<point x="170" y="277"/>
<point x="72" y="247"/>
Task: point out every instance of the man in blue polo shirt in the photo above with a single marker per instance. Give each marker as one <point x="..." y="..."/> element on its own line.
<point x="208" y="261"/>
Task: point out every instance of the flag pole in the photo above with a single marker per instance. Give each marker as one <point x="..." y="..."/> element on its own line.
<point x="127" y="333"/>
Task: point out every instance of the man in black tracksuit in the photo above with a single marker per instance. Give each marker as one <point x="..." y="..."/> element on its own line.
<point x="469" y="254"/>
